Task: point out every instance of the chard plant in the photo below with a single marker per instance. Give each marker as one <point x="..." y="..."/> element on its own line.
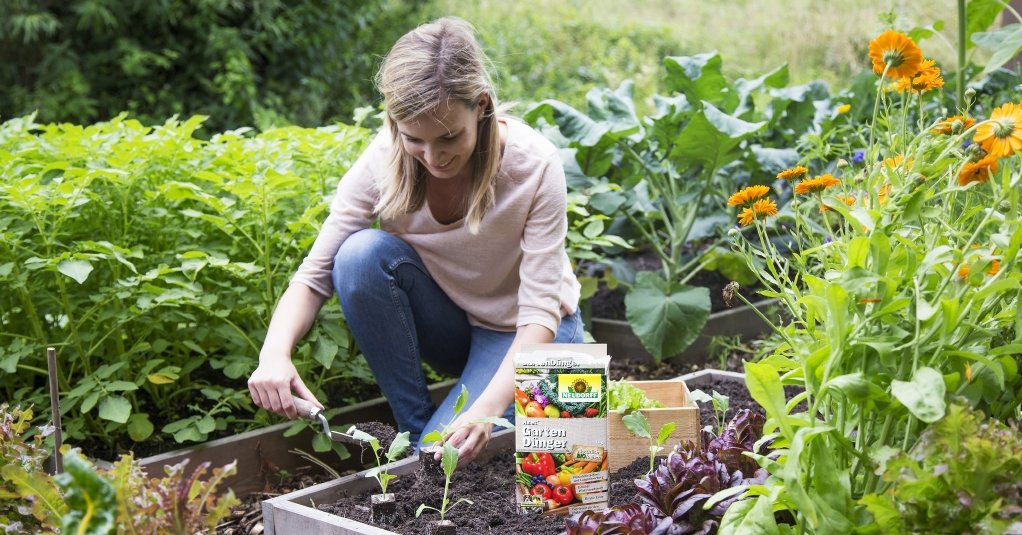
<point x="662" y="174"/>
<point x="394" y="452"/>
<point x="902" y="283"/>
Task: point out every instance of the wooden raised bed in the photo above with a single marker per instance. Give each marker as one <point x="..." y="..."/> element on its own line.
<point x="262" y="453"/>
<point x="623" y="344"/>
<point x="678" y="407"/>
<point x="296" y="512"/>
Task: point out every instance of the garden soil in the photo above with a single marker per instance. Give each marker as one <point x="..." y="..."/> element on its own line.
<point x="489" y="486"/>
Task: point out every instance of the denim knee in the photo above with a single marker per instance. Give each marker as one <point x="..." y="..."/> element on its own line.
<point x="364" y="256"/>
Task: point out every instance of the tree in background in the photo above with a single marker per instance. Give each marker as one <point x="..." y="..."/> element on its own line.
<point x="241" y="62"/>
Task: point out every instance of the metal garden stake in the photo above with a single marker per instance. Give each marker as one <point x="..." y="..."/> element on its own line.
<point x="51" y="369"/>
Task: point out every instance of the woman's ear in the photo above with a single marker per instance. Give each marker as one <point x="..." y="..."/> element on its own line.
<point x="483" y="103"/>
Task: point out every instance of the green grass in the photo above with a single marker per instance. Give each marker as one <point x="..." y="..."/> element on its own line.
<point x="559" y="49"/>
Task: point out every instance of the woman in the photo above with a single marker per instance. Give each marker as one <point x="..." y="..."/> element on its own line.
<point x="469" y="260"/>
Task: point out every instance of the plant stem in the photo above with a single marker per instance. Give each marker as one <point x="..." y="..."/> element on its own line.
<point x="960" y="75"/>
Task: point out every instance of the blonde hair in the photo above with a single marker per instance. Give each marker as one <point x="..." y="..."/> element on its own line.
<point x="432" y="64"/>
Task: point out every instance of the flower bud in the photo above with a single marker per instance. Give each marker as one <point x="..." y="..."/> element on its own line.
<point x="733" y="233"/>
<point x="970" y="94"/>
<point x="842" y="163"/>
<point x="957" y="126"/>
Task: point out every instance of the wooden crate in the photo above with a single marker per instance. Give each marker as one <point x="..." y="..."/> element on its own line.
<point x="678" y="408"/>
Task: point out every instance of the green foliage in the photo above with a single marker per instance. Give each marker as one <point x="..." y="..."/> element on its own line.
<point x="720" y="402"/>
<point x="30" y="501"/>
<point x="152" y="260"/>
<point x="667" y="174"/>
<point x="88" y="500"/>
<point x="440" y="435"/>
<point x="241" y="63"/>
<point x="963" y="476"/>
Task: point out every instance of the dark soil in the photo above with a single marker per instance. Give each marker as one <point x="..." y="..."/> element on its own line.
<point x="489" y="486"/>
<point x="731" y="359"/>
<point x="610" y="304"/>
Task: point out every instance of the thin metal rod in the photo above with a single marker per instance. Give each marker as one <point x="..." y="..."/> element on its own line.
<point x="51" y="368"/>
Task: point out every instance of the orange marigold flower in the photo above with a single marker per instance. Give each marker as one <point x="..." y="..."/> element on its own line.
<point x="978" y="171"/>
<point x="892" y="163"/>
<point x="895" y="52"/>
<point x="816" y="185"/>
<point x="885" y="190"/>
<point x="995" y="267"/>
<point x="759" y="210"/>
<point x="746" y="217"/>
<point x="1001" y="135"/>
<point x="926" y="79"/>
<point x="847" y="199"/>
<point x="746" y="195"/>
<point x="945" y="126"/>
<point x="792" y="173"/>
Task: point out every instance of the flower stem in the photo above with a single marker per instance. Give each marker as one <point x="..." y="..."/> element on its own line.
<point x="960" y="75"/>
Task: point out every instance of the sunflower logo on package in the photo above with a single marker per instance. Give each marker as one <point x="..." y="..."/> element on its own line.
<point x="579" y="387"/>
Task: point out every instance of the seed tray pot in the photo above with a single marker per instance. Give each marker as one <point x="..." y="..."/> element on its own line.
<point x="296" y="512"/>
<point x="623" y="344"/>
<point x="678" y="407"/>
<point x="262" y="453"/>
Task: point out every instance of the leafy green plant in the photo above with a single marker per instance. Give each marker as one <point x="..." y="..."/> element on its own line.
<point x="627" y="519"/>
<point x="670" y="169"/>
<point x="626" y="397"/>
<point x="638" y="424"/>
<point x="964" y="475"/>
<point x="394" y="452"/>
<point x="449" y="461"/>
<point x="721" y="403"/>
<point x="151" y="260"/>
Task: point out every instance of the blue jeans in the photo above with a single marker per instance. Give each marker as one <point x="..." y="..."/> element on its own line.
<point x="400" y="318"/>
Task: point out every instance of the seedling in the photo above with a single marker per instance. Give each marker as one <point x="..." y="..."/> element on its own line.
<point x="637" y="423"/>
<point x="382" y="503"/>
<point x="438" y="435"/>
<point x="721" y="403"/>
<point x="450" y="463"/>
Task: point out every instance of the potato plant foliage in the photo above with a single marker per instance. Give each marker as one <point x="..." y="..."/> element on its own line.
<point x="151" y="260"/>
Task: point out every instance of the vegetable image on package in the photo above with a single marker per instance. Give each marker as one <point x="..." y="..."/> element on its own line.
<point x="561" y="432"/>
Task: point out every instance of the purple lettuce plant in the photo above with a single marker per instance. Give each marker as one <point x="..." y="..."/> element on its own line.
<point x="628" y="519"/>
<point x="688" y="477"/>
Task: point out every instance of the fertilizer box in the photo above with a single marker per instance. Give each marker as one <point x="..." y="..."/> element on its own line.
<point x="561" y="428"/>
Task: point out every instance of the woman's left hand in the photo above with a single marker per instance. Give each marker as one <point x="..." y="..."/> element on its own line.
<point x="469" y="436"/>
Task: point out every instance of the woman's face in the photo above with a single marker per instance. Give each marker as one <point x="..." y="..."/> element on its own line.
<point x="443" y="139"/>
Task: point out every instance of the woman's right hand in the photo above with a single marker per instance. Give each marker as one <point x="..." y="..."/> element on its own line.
<point x="272" y="383"/>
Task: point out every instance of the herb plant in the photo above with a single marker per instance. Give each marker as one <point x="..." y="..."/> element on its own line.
<point x="626" y="397"/>
<point x="394" y="452"/>
<point x="720" y="403"/>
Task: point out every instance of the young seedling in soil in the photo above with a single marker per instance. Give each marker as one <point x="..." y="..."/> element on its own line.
<point x="429" y="468"/>
<point x="637" y="423"/>
<point x="450" y="463"/>
<point x="382" y="504"/>
<point x="721" y="403"/>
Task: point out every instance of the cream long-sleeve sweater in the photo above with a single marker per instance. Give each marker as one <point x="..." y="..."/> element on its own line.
<point x="513" y="272"/>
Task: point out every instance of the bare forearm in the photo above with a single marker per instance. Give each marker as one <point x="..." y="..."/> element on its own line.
<point x="500" y="391"/>
<point x="293" y="317"/>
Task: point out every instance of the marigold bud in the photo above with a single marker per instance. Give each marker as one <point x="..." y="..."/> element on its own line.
<point x="957" y="126"/>
<point x="970" y="94"/>
<point x="842" y="163"/>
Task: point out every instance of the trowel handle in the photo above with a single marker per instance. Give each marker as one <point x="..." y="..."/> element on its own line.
<point x="305" y="408"/>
